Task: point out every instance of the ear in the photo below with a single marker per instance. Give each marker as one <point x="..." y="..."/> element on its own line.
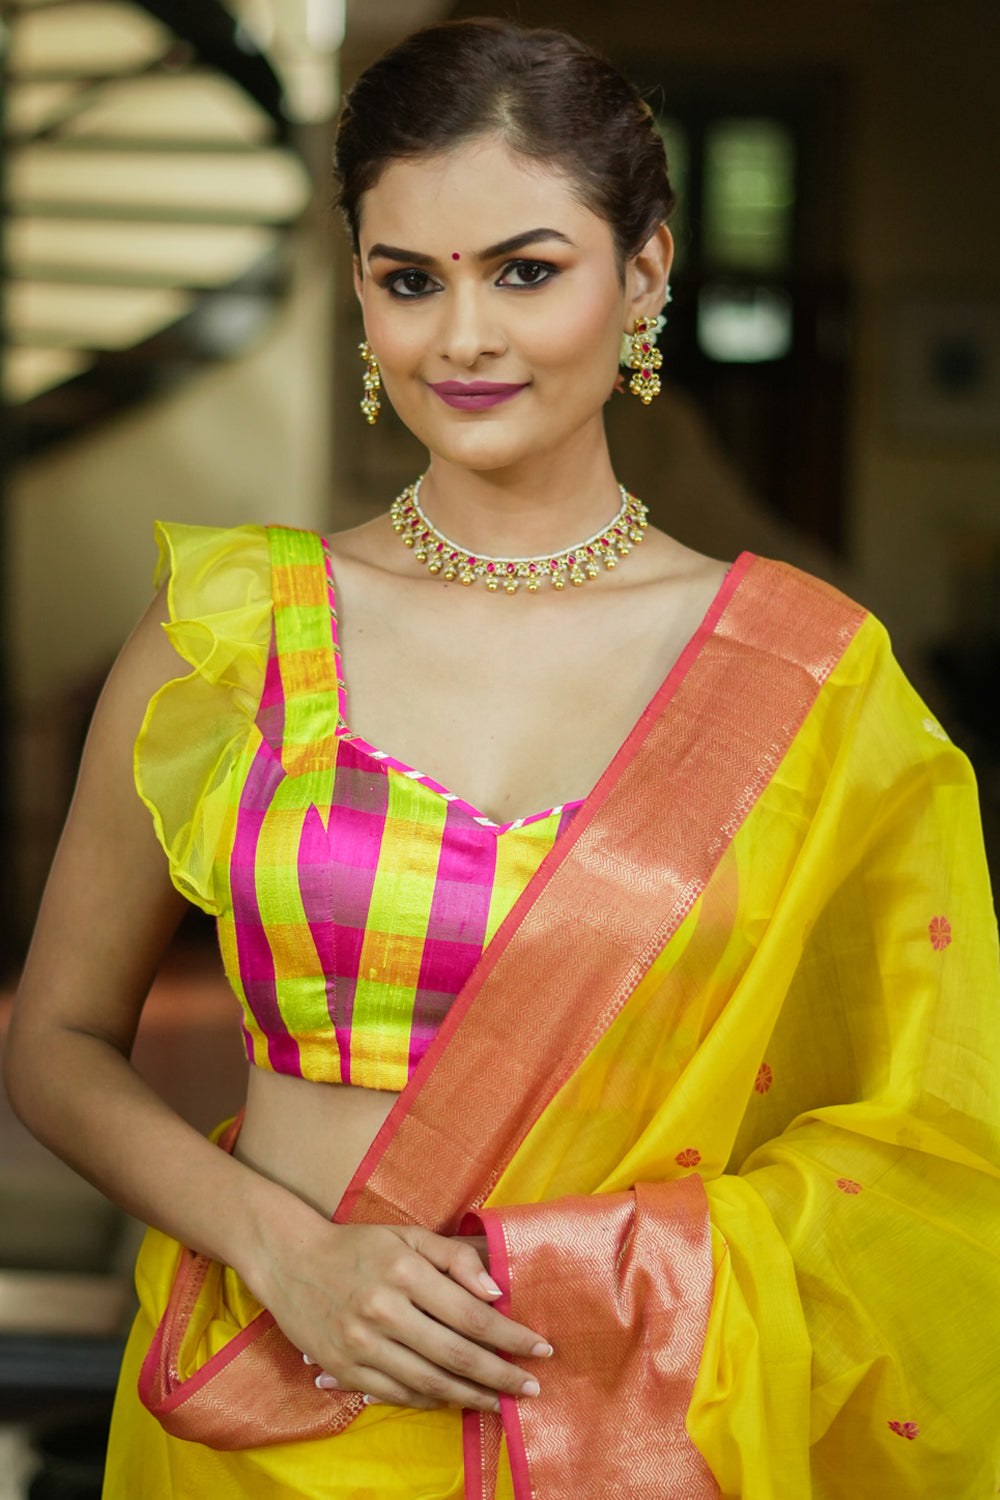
<point x="647" y="275"/>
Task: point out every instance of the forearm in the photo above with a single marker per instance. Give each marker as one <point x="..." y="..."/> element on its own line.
<point x="84" y="1100"/>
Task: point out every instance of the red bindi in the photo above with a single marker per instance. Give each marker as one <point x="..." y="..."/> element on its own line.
<point x="455" y="255"/>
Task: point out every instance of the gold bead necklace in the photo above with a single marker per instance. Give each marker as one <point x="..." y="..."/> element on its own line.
<point x="575" y="565"/>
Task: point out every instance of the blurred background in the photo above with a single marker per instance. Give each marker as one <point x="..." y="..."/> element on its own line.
<point x="179" y="340"/>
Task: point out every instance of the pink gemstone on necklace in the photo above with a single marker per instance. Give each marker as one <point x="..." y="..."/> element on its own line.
<point x="490" y="568"/>
<point x="646" y="374"/>
<point x="618" y="531"/>
<point x="605" y="542"/>
<point x="645" y="348"/>
<point x="532" y="568"/>
<point x="439" y="547"/>
<point x="590" y="551"/>
<point x="511" y="568"/>
<point x="571" y="559"/>
<point x="471" y="562"/>
<point x="452" y="556"/>
<point x="553" y="565"/>
<point x="425" y="536"/>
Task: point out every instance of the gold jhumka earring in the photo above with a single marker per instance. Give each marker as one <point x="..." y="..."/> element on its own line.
<point x="370" y="403"/>
<point x="645" y="360"/>
<point x="639" y="353"/>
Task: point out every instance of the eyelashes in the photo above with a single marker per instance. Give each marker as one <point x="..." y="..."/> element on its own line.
<point x="412" y="284"/>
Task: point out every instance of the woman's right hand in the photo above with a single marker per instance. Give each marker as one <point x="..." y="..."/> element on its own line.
<point x="401" y="1314"/>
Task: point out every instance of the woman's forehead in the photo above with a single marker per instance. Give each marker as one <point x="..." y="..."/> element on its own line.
<point x="474" y="195"/>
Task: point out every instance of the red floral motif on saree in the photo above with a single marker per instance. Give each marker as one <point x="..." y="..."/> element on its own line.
<point x="848" y="1185"/>
<point x="940" y="932"/>
<point x="764" y="1079"/>
<point x="688" y="1158"/>
<point x="908" y="1430"/>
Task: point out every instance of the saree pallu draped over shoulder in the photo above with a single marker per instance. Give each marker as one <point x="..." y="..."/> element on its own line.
<point x="723" y="1093"/>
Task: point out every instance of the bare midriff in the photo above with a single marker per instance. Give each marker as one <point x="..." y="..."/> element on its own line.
<point x="310" y="1137"/>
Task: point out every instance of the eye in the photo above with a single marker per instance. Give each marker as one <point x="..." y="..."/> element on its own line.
<point x="409" y="284"/>
<point x="525" y="273"/>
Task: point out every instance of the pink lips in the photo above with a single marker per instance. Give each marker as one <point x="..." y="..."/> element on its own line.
<point x="474" y="395"/>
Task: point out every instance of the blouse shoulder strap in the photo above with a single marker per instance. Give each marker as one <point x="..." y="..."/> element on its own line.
<point x="303" y="677"/>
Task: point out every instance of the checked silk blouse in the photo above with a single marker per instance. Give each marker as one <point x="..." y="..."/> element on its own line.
<point x="353" y="895"/>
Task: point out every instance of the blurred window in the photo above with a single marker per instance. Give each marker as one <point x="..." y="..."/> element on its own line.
<point x="744" y="325"/>
<point x="735" y="176"/>
<point x="749" y="195"/>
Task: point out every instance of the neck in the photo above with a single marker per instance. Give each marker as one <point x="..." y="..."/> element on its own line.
<point x="542" y="505"/>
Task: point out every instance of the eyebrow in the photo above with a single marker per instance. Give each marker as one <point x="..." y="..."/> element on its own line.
<point x="492" y="252"/>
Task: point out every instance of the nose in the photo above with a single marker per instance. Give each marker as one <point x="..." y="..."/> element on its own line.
<point x="469" y="326"/>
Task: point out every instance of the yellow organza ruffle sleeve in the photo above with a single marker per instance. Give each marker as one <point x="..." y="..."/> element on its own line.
<point x="196" y="726"/>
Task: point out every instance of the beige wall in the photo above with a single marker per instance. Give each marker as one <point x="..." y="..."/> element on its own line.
<point x="245" y="441"/>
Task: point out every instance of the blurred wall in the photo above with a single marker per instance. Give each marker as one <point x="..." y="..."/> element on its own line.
<point x="923" y="220"/>
<point x="246" y="440"/>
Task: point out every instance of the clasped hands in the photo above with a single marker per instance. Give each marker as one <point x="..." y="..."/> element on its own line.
<point x="405" y="1316"/>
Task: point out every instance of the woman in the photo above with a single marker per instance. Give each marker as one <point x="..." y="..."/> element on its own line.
<point x="668" y="992"/>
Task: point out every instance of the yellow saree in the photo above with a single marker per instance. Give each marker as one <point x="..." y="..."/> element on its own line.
<point x="724" y="1093"/>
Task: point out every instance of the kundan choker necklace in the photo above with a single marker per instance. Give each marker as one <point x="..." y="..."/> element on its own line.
<point x="574" y="565"/>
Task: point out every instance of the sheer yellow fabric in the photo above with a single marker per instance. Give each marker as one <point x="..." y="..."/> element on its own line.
<point x="820" y="1040"/>
<point x="219" y="597"/>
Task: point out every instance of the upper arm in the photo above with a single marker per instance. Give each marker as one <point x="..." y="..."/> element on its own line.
<point x="109" y="907"/>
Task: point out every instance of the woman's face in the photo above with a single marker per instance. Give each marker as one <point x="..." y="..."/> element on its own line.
<point x="493" y="303"/>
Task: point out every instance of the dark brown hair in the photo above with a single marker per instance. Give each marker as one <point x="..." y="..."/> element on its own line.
<point x="548" y="95"/>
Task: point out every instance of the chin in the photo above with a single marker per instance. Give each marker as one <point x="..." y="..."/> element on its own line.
<point x="481" y="445"/>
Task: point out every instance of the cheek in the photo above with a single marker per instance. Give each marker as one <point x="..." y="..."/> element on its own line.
<point x="398" y="345"/>
<point x="588" y="338"/>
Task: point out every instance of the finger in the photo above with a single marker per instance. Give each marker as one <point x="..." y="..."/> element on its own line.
<point x="449" y="1352"/>
<point x="450" y="1305"/>
<point x="404" y="1370"/>
<point x="455" y="1258"/>
<point x="382" y="1389"/>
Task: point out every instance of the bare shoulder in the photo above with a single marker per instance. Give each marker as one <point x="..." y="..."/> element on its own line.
<point x="373" y="542"/>
<point x="145" y="663"/>
<point x="676" y="581"/>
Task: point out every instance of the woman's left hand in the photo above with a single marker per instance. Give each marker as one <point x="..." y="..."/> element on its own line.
<point x="479" y="1244"/>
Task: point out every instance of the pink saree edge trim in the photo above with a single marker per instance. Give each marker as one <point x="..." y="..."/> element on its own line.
<point x="500" y="1270"/>
<point x="226" y="1140"/>
<point x="205" y="1372"/>
<point x="472" y="1454"/>
<point x="491" y="955"/>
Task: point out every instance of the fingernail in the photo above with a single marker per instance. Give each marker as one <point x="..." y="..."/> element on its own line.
<point x="490" y="1284"/>
<point x="327" y="1383"/>
<point x="541" y="1351"/>
<point x="496" y="1406"/>
<point x="530" y="1388"/>
<point x="373" y="1401"/>
<point x="306" y="1360"/>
